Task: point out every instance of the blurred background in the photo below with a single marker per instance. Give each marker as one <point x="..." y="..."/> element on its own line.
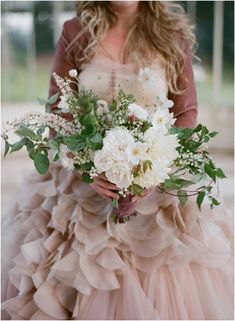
<point x="29" y="33"/>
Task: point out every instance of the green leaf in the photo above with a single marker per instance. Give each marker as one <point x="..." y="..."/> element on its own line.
<point x="7" y="147"/>
<point x="175" y="182"/>
<point x="89" y="130"/>
<point x="87" y="166"/>
<point x="213" y="134"/>
<point x="41" y="162"/>
<point x="206" y="139"/>
<point x="205" y="131"/>
<point x="18" y="145"/>
<point x="182" y="196"/>
<point x="25" y="132"/>
<point x="215" y="202"/>
<point x="95" y="142"/>
<point x="220" y="173"/>
<point x="136" y="189"/>
<point x="198" y="128"/>
<point x="147" y="165"/>
<point x="115" y="203"/>
<point x="75" y="143"/>
<point x="210" y="171"/>
<point x="53" y="144"/>
<point x="56" y="157"/>
<point x="41" y="101"/>
<point x="86" y="178"/>
<point x="53" y="99"/>
<point x="200" y="199"/>
<point x="89" y="120"/>
<point x="30" y="148"/>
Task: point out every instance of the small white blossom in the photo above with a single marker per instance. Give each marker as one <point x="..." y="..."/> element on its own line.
<point x="63" y="105"/>
<point x="73" y="73"/>
<point x="102" y="107"/>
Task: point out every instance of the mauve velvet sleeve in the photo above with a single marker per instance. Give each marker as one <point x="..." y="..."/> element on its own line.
<point x="185" y="107"/>
<point x="62" y="63"/>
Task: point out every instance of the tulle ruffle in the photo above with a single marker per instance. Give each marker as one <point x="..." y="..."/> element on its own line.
<point x="64" y="258"/>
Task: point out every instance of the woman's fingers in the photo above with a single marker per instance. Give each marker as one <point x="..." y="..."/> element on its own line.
<point x="144" y="193"/>
<point x="105" y="192"/>
<point x="104" y="183"/>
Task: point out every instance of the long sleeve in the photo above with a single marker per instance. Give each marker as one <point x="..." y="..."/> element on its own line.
<point x="62" y="63"/>
<point x="185" y="107"/>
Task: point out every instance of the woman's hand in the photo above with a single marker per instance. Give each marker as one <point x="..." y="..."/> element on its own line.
<point x="104" y="188"/>
<point x="143" y="194"/>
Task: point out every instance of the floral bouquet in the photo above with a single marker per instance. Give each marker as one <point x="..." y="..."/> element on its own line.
<point x="134" y="149"/>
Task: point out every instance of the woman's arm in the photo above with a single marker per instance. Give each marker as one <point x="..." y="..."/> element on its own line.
<point x="185" y="107"/>
<point x="62" y="63"/>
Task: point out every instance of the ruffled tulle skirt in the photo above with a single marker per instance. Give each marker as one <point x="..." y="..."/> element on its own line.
<point x="64" y="258"/>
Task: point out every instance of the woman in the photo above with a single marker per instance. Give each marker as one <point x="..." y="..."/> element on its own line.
<point x="69" y="260"/>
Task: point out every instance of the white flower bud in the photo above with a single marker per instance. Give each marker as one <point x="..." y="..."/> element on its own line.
<point x="73" y="73"/>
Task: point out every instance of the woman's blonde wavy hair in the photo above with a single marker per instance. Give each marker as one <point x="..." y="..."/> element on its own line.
<point x="161" y="26"/>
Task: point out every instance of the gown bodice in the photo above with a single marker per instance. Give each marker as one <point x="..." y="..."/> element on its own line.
<point x="105" y="77"/>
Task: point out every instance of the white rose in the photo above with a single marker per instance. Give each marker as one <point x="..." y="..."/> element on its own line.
<point x="73" y="73"/>
<point x="116" y="143"/>
<point x="102" y="161"/>
<point x="120" y="174"/>
<point x="137" y="111"/>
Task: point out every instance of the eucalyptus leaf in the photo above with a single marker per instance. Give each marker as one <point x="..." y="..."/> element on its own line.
<point x="41" y="101"/>
<point x="95" y="142"/>
<point x="25" y="132"/>
<point x="53" y="98"/>
<point x="41" y="162"/>
<point x="75" y="143"/>
<point x="18" y="145"/>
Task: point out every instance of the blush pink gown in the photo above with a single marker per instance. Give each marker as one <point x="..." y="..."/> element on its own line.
<point x="64" y="258"/>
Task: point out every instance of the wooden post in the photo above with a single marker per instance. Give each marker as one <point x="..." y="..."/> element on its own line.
<point x="31" y="60"/>
<point x="217" y="52"/>
<point x="191" y="10"/>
